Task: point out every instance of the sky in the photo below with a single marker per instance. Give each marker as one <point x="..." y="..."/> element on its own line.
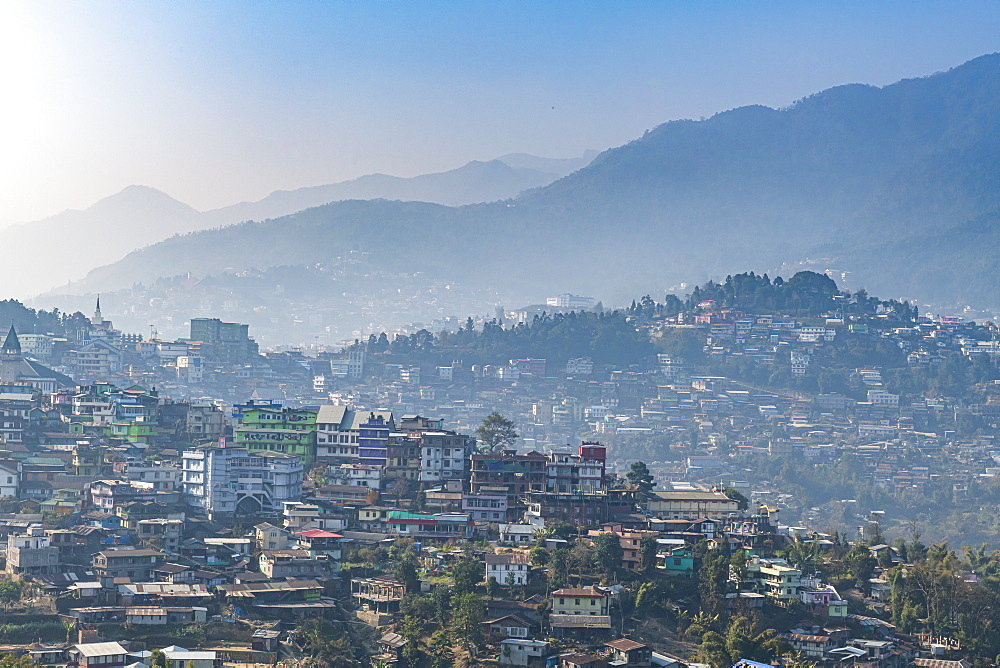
<point x="220" y="102"/>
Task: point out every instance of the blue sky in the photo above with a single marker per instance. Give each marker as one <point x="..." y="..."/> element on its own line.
<point x="217" y="102"/>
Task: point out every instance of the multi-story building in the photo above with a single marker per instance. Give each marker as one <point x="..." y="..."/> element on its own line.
<point x="687" y="505"/>
<point x="444" y="455"/>
<point x="629" y="540"/>
<point x="162" y="478"/>
<point x="135" y="564"/>
<point x="267" y="427"/>
<point x="205" y="420"/>
<point x="10" y="477"/>
<point x="15" y="403"/>
<point x="581" y="601"/>
<point x="518" y="474"/>
<point x="373" y="440"/>
<point x="294" y="564"/>
<point x="775" y="578"/>
<point x="583" y="471"/>
<point x="228" y="343"/>
<point x="437" y="525"/>
<point x="484" y="507"/>
<point x="508" y="569"/>
<point x="403" y="451"/>
<point x="31" y="554"/>
<point x="224" y="481"/>
<point x="337" y="432"/>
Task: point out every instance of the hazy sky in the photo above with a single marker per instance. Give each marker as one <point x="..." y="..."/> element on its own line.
<point x="215" y="102"/>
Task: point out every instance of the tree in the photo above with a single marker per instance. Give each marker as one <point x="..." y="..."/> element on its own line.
<point x="559" y="569"/>
<point x="157" y="659"/>
<point x="608" y="553"/>
<point x="467" y="619"/>
<point x="440" y="649"/>
<point x="406" y="571"/>
<point x="496" y="433"/>
<point x="861" y="565"/>
<point x="491" y="587"/>
<point x="467" y="574"/>
<point x="735" y="495"/>
<point x="647" y="554"/>
<point x="641" y="480"/>
<point x="539" y="556"/>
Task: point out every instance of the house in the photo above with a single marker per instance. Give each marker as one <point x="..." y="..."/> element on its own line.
<point x="99" y="654"/>
<point x="135" y="564"/>
<point x="625" y="652"/>
<point x="581" y="601"/>
<point x="508" y="569"/>
<point x="531" y="653"/>
<point x="293" y="564"/>
<point x="508" y="626"/>
<point x="270" y="537"/>
<point x="812" y="646"/>
<point x="178" y="657"/>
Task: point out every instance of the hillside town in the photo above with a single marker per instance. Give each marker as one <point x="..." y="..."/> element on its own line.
<point x="740" y="493"/>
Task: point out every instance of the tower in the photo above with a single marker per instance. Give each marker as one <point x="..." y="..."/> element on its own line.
<point x="11" y="346"/>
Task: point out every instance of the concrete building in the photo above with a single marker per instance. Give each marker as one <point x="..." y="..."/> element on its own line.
<point x="225" y="481"/>
<point x="31" y="554"/>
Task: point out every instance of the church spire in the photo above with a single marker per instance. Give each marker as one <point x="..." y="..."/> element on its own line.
<point x="11" y="345"/>
<point x="97" y="313"/>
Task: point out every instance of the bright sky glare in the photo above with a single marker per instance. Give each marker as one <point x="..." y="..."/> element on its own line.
<point x="218" y="102"/>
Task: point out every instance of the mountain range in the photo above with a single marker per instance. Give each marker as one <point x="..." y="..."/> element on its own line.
<point x="76" y="241"/>
<point x="897" y="187"/>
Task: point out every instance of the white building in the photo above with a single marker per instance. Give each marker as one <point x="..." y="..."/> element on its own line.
<point x="337" y="430"/>
<point x="508" y="569"/>
<point x="880" y="398"/>
<point x="444" y="455"/>
<point x="10" y="477"/>
<point x="162" y="478"/>
<point x="362" y="475"/>
<point x="223" y="481"/>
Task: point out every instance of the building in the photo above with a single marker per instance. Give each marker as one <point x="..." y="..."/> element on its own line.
<point x="135" y="564"/>
<point x="225" y="481"/>
<point x="510" y="569"/>
<point x="16" y="369"/>
<point x="267" y="427"/>
<point x="10" y="478"/>
<point x="373" y="440"/>
<point x="688" y="505"/>
<point x="31" y="554"/>
<point x="629" y="653"/>
<point x="583" y="471"/>
<point x="581" y="601"/>
<point x="517" y="652"/>
<point x="444" y="456"/>
<point x="228" y="343"/>
<point x="437" y="525"/>
<point x="205" y="421"/>
<point x="100" y="655"/>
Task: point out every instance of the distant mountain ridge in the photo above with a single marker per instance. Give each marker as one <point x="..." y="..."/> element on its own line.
<point x="76" y="241"/>
<point x="862" y="176"/>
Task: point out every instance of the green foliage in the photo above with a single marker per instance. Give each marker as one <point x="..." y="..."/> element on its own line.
<point x="439" y="649"/>
<point x="559" y="569"/>
<point x="735" y="495"/>
<point x="608" y="554"/>
<point x="641" y="480"/>
<point x="713" y="576"/>
<point x="607" y="338"/>
<point x="467" y="574"/>
<point x="539" y="556"/>
<point x="496" y="433"/>
<point x="157" y="659"/>
<point x="12" y="660"/>
<point x="647" y="554"/>
<point x="467" y="618"/>
<point x="406" y="570"/>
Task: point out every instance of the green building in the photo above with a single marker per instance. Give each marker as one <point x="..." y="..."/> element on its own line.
<point x="266" y="425"/>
